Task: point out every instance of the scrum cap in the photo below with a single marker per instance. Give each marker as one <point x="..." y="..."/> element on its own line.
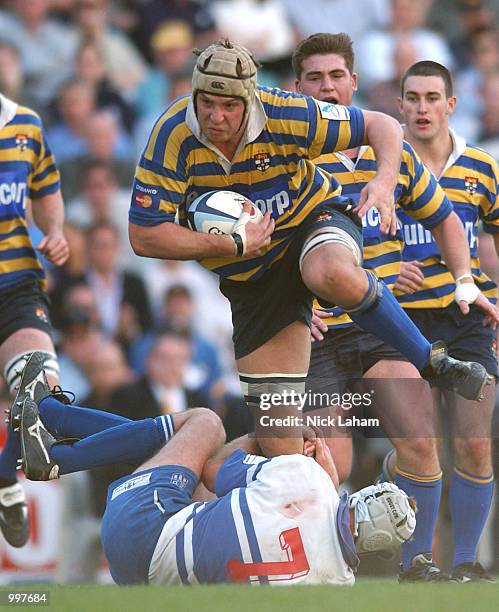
<point x="384" y="518"/>
<point x="226" y="69"/>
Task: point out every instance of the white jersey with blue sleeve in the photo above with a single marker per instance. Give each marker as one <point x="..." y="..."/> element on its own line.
<point x="276" y="521"/>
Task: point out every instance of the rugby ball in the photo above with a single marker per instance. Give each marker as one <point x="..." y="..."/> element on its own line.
<point x="216" y="212"/>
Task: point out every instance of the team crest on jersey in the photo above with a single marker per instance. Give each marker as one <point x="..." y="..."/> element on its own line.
<point x="41" y="314"/>
<point x="179" y="480"/>
<point x="471" y="184"/>
<point x="21" y="141"/>
<point x="262" y="161"/>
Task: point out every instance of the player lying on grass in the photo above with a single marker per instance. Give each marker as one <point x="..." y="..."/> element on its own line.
<point x="277" y="520"/>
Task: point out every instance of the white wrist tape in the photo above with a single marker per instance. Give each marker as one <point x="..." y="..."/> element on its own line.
<point x="466" y="292"/>
<point x="240" y="229"/>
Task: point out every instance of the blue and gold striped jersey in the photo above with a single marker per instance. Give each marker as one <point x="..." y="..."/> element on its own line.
<point x="27" y="170"/>
<point x="470" y="180"/>
<point x="272" y="167"/>
<point x="417" y="192"/>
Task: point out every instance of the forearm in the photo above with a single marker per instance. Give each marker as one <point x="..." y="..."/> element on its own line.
<point x="171" y="241"/>
<point x="453" y="246"/>
<point x="384" y="134"/>
<point x="48" y="213"/>
<point x="496" y="243"/>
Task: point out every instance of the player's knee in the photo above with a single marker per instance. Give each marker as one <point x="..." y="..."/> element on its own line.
<point x="211" y="422"/>
<point x="473" y="453"/>
<point x="414" y="453"/>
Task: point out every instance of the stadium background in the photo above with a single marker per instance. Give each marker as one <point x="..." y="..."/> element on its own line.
<point x="99" y="73"/>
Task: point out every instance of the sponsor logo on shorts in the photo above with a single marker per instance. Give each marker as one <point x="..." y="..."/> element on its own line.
<point x="145" y="201"/>
<point x="323" y="217"/>
<point x="179" y="480"/>
<point x="21" y="141"/>
<point x="133" y="483"/>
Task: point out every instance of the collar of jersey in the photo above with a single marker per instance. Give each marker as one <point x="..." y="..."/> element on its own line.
<point x="7" y="110"/>
<point x="256" y="122"/>
<point x="458" y="148"/>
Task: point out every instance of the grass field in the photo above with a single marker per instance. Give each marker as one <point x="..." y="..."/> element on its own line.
<point x="368" y="595"/>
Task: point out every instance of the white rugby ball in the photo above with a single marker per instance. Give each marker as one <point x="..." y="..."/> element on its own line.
<point x="216" y="212"/>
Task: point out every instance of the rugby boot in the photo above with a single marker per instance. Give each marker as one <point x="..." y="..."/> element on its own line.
<point x="14" y="515"/>
<point x="36" y="443"/>
<point x="33" y="384"/>
<point x="467" y="378"/>
<point x="423" y="570"/>
<point x="471" y="572"/>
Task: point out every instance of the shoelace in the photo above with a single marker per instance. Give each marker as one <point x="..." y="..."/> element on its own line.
<point x="66" y="397"/>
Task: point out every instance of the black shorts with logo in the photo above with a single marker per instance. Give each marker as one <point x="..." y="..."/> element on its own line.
<point x="23" y="305"/>
<point x="262" y="308"/>
<point x="465" y="335"/>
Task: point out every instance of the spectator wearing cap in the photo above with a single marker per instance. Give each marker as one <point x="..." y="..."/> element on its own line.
<point x="171" y="44"/>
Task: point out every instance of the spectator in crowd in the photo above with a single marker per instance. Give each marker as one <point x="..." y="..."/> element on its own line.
<point x="105" y="143"/>
<point x="62" y="279"/>
<point x="11" y="73"/>
<point x="107" y="371"/>
<point x="489" y="136"/>
<point x="178" y="314"/>
<point x="75" y="106"/>
<point x="171" y="44"/>
<point x="358" y="17"/>
<point x="471" y="81"/>
<point x="180" y="85"/>
<point x="89" y="67"/>
<point x="79" y="340"/>
<point x="407" y="17"/>
<point x="259" y="25"/>
<point x="123" y="305"/>
<point x="161" y="275"/>
<point x="194" y="12"/>
<point x="473" y="15"/>
<point x="162" y="389"/>
<point x="124" y="66"/>
<point x="47" y="48"/>
<point x="102" y="201"/>
<point x="383" y="96"/>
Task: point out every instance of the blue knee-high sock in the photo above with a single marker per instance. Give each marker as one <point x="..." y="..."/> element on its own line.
<point x="427" y="491"/>
<point x="380" y="314"/>
<point x="470" y="498"/>
<point x="11" y="452"/>
<point x="132" y="442"/>
<point x="68" y="421"/>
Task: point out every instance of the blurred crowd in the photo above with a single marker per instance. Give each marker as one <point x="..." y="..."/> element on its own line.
<point x="138" y="336"/>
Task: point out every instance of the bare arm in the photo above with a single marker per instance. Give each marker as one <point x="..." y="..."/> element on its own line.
<point x="48" y="214"/>
<point x="171" y="241"/>
<point x="452" y="244"/>
<point x="384" y="135"/>
<point x="496" y="243"/>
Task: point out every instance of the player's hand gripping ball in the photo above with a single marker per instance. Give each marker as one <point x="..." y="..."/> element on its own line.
<point x="216" y="212"/>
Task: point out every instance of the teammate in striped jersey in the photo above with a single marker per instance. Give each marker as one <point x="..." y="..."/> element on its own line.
<point x="470" y="177"/>
<point x="275" y="521"/>
<point x="27" y="173"/>
<point x="323" y="65"/>
<point x="260" y="142"/>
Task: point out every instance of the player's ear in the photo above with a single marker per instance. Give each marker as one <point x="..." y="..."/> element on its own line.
<point x="354" y="78"/>
<point x="451" y="104"/>
<point x="297" y="86"/>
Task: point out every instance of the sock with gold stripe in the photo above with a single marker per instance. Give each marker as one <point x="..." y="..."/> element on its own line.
<point x="470" y="498"/>
<point x="427" y="491"/>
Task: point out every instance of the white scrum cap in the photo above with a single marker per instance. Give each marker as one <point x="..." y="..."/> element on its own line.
<point x="384" y="518"/>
